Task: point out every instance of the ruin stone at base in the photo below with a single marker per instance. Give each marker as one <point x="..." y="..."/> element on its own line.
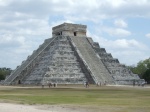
<point x="70" y="57"/>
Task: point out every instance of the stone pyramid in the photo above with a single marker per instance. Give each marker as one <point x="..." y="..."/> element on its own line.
<point x="70" y="57"/>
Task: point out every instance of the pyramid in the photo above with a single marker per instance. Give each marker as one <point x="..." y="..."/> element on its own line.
<point x="70" y="57"/>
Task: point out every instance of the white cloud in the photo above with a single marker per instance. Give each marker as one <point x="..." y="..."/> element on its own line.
<point x="117" y="3"/>
<point x="121" y="44"/>
<point x="88" y="10"/>
<point x="129" y="44"/>
<point x="148" y="35"/>
<point x="24" y="24"/>
<point x="117" y="32"/>
<point x="9" y="41"/>
<point x="4" y="2"/>
<point x="128" y="51"/>
<point x="120" y="23"/>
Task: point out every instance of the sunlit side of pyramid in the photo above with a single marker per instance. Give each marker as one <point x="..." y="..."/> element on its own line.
<point x="70" y="57"/>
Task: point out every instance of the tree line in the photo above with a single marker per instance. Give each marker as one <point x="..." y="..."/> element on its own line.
<point x="142" y="69"/>
<point x="4" y="72"/>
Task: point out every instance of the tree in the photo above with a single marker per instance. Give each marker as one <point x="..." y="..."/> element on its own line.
<point x="142" y="69"/>
<point x="4" y="72"/>
<point x="146" y="75"/>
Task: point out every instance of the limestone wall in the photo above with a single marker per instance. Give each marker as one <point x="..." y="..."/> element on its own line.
<point x="120" y="73"/>
<point x="58" y="65"/>
<point x="68" y="29"/>
<point x="26" y="65"/>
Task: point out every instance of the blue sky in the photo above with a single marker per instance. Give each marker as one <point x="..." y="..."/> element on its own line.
<point x="120" y="26"/>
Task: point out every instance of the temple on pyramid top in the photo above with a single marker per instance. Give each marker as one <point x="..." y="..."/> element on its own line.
<point x="68" y="29"/>
<point x="71" y="57"/>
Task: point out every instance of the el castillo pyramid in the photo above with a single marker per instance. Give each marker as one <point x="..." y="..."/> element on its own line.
<point x="70" y="57"/>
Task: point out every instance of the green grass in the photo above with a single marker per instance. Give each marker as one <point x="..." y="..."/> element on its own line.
<point x="128" y="98"/>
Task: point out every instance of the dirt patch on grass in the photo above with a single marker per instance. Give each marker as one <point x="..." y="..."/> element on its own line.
<point x="11" y="107"/>
<point x="8" y="107"/>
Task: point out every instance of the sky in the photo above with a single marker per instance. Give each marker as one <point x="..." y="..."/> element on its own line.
<point x="122" y="27"/>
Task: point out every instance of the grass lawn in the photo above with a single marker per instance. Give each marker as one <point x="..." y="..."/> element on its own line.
<point x="125" y="99"/>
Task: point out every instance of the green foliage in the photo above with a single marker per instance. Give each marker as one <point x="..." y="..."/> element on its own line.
<point x="4" y="72"/>
<point x="142" y="69"/>
<point x="146" y="75"/>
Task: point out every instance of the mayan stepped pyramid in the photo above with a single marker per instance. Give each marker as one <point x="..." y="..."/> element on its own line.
<point x="70" y="57"/>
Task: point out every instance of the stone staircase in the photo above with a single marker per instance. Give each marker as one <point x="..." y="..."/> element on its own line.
<point x="92" y="60"/>
<point x="58" y="65"/>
